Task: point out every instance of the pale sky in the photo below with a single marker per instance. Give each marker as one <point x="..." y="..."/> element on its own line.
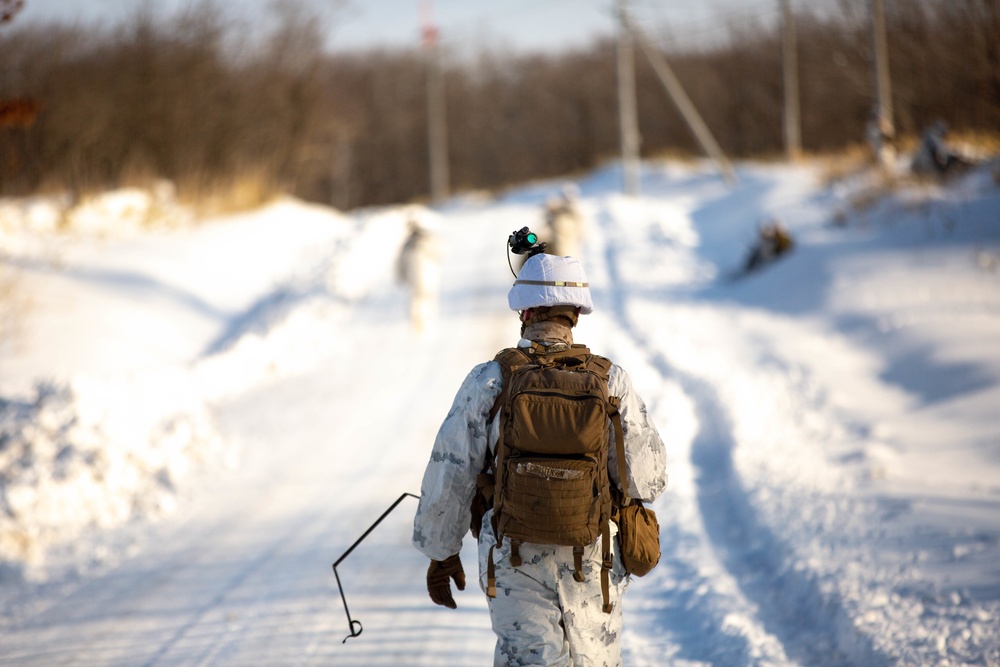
<point x="463" y="24"/>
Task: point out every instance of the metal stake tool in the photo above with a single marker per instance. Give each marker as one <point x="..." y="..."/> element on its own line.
<point x="352" y="623"/>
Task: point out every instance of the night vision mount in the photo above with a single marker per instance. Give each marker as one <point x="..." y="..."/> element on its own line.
<point x="524" y="242"/>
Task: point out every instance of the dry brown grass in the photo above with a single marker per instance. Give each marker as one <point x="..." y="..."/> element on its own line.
<point x="977" y="144"/>
<point x="838" y="165"/>
<point x="855" y="161"/>
<point x="974" y="143"/>
<point x="138" y="174"/>
<point x="241" y="192"/>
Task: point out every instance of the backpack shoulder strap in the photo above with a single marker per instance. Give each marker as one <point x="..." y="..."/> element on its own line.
<point x="600" y="365"/>
<point x="603" y="366"/>
<point x="482" y="499"/>
<point x="509" y="359"/>
<point x="512" y="357"/>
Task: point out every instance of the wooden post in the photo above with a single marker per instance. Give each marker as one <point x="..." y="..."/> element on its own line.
<point x="790" y="68"/>
<point x="437" y="125"/>
<point x="685" y="106"/>
<point x="627" y="115"/>
<point x="883" y="87"/>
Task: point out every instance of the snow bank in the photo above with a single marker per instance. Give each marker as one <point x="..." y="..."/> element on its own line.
<point x="113" y="213"/>
<point x="93" y="450"/>
<point x="93" y="454"/>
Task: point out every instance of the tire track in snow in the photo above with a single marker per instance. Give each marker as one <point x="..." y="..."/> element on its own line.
<point x="142" y="611"/>
<point x="812" y="627"/>
<point x="247" y="570"/>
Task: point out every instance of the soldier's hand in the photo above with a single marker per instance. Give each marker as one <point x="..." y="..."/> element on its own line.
<point x="439" y="576"/>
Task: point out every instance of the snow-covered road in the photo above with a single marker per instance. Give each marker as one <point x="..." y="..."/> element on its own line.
<point x="803" y="410"/>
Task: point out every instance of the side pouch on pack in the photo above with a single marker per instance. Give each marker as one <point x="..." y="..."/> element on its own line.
<point x="639" y="537"/>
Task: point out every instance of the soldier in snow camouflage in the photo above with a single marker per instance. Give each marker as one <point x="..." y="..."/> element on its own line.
<point x="542" y="614"/>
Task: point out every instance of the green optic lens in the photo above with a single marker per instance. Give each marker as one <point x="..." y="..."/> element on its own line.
<point x="532" y="238"/>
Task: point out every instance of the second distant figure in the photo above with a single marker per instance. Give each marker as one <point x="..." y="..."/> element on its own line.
<point x="564" y="222"/>
<point x="419" y="270"/>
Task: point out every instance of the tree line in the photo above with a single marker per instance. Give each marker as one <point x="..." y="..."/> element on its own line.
<point x="191" y="100"/>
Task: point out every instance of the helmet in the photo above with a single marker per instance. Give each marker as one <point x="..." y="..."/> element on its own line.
<point x="549" y="280"/>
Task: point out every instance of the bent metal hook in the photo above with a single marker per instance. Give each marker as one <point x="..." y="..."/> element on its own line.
<point x="355" y="626"/>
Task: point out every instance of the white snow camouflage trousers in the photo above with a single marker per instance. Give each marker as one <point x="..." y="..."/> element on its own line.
<point x="542" y="615"/>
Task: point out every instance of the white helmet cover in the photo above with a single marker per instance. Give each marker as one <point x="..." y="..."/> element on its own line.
<point x="548" y="280"/>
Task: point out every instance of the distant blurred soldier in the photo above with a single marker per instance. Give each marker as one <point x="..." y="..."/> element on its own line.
<point x="934" y="155"/>
<point x="773" y="241"/>
<point x="419" y="270"/>
<point x="565" y="223"/>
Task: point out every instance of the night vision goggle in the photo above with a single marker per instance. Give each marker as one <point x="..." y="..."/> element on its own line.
<point x="524" y="242"/>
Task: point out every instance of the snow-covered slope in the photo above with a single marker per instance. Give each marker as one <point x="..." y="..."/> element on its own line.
<point x="254" y="382"/>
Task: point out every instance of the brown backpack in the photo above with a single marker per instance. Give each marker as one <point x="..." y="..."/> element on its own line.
<point x="550" y="482"/>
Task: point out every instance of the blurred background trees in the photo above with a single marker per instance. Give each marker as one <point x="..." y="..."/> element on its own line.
<point x="192" y="100"/>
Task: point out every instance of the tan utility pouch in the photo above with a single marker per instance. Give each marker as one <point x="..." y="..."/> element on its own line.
<point x="638" y="529"/>
<point x="550" y="501"/>
<point x="639" y="538"/>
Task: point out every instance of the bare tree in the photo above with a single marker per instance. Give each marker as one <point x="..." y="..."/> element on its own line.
<point x="190" y="98"/>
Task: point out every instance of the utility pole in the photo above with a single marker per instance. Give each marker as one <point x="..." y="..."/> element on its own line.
<point x="437" y="128"/>
<point x="684" y="104"/>
<point x="627" y="116"/>
<point x="790" y="67"/>
<point x="343" y="164"/>
<point x="885" y="127"/>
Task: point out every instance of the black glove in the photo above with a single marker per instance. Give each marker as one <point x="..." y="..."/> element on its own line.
<point x="439" y="576"/>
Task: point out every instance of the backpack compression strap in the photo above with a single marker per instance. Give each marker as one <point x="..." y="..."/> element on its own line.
<point x="616" y="422"/>
<point x="614" y="405"/>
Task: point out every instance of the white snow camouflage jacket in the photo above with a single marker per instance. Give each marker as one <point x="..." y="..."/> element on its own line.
<point x="465" y="436"/>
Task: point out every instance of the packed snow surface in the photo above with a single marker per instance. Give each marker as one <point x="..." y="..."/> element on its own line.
<point x="197" y="420"/>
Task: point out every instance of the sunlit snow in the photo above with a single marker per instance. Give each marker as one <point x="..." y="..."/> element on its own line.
<point x="197" y="419"/>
